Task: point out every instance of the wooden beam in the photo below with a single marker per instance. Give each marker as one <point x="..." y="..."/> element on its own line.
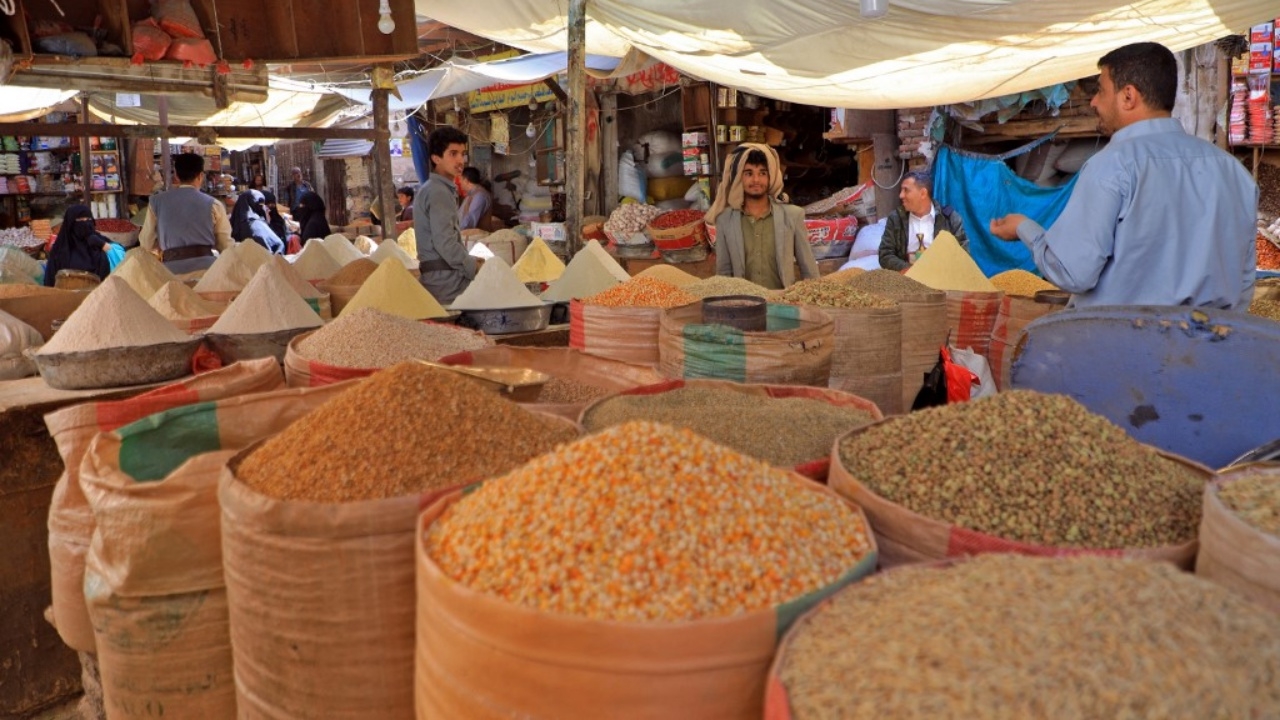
<point x="556" y="90"/>
<point x="609" y="143"/>
<point x="152" y="131"/>
<point x="575" y="151"/>
<point x="382" y="163"/>
<point x="1042" y="126"/>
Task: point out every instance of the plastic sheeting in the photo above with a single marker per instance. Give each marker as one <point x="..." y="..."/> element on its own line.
<point x="983" y="187"/>
<point x="19" y="104"/>
<point x="822" y="52"/>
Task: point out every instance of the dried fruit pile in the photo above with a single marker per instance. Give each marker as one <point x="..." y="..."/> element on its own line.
<point x="1268" y="254"/>
<point x="1005" y="636"/>
<point x="114" y="225"/>
<point x="1030" y="467"/>
<point x="644" y="522"/>
<point x="675" y="218"/>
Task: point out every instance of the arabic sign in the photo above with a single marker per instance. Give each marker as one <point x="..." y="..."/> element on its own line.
<point x="506" y="95"/>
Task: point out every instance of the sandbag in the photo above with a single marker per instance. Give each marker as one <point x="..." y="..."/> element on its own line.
<point x="562" y="363"/>
<point x="322" y="602"/>
<point x="16" y="337"/>
<point x="150" y="40"/>
<point x="1014" y="315"/>
<point x="70" y="518"/>
<point x="626" y="334"/>
<point x="971" y="316"/>
<point x="815" y="469"/>
<point x="479" y="657"/>
<point x="796" y="349"/>
<point x="924" y="330"/>
<point x="904" y="536"/>
<point x="153" y="575"/>
<point x="177" y="18"/>
<point x="866" y="359"/>
<point x="1233" y="553"/>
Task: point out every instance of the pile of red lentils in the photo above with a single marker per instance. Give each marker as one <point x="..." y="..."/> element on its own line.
<point x="644" y="522"/>
<point x="642" y="292"/>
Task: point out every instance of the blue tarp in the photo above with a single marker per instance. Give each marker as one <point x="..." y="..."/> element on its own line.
<point x="418" y="145"/>
<point x="983" y="187"/>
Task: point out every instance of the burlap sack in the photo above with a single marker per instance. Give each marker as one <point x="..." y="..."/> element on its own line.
<point x="626" y="334"/>
<point x="971" y="317"/>
<point x="70" y="518"/>
<point x="1015" y="314"/>
<point x="924" y="331"/>
<point x="1233" y="553"/>
<point x="322" y="603"/>
<point x="867" y="357"/>
<point x="479" y="657"/>
<point x="796" y="349"/>
<point x="905" y="536"/>
<point x="153" y="575"/>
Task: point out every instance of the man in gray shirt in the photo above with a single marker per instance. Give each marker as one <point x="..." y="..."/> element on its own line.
<point x="446" y="267"/>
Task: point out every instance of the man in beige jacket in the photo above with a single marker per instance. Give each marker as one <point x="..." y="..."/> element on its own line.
<point x="759" y="236"/>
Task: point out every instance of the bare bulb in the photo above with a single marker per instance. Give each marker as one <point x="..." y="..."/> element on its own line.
<point x="529" y="131"/>
<point x="386" y="25"/>
<point x="533" y="104"/>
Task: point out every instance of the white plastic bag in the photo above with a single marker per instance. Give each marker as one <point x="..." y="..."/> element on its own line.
<point x="976" y="364"/>
<point x="15" y="338"/>
<point x="632" y="181"/>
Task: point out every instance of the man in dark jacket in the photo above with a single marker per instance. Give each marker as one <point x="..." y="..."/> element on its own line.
<point x="912" y="227"/>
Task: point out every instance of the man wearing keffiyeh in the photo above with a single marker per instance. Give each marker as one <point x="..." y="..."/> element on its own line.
<point x="759" y="236"/>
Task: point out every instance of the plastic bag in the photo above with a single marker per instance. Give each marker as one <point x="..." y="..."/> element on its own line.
<point x="983" y="383"/>
<point x="177" y="18"/>
<point x="76" y="44"/>
<point x="197" y="52"/>
<point x="149" y="40"/>
<point x="16" y="337"/>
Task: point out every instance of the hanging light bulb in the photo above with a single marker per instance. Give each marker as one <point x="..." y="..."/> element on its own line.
<point x="533" y="104"/>
<point x="874" y="8"/>
<point x="529" y="131"/>
<point x="533" y="161"/>
<point x="386" y="25"/>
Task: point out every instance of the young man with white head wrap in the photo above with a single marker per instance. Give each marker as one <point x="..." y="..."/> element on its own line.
<point x="759" y="236"/>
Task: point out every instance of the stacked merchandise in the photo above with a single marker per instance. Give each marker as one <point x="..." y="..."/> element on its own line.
<point x="1236" y="124"/>
<point x="1261" y="130"/>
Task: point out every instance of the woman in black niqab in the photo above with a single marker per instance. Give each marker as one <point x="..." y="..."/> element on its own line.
<point x="78" y="246"/>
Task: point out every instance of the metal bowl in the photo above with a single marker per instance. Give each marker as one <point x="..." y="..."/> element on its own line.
<point x="504" y="322"/>
<point x="116" y="367"/>
<point x="234" y="348"/>
<point x="633" y="251"/>
<point x="451" y="319"/>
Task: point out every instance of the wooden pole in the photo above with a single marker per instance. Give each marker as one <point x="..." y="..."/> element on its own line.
<point x="575" y="150"/>
<point x="166" y="160"/>
<point x="86" y="159"/>
<point x="382" y="163"/>
<point x="609" y="164"/>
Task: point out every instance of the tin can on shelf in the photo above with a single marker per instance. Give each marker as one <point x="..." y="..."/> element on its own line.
<point x="737" y="133"/>
<point x="722" y="133"/>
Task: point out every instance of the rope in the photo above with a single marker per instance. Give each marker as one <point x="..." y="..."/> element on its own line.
<point x="1007" y="155"/>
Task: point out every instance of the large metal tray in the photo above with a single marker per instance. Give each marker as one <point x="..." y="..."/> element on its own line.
<point x="234" y="348"/>
<point x="505" y="322"/>
<point x="116" y="367"/>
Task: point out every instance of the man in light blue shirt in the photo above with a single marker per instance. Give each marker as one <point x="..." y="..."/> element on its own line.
<point x="1158" y="217"/>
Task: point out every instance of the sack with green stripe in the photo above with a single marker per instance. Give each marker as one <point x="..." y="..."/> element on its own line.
<point x="153" y="574"/>
<point x="72" y="428"/>
<point x="794" y="349"/>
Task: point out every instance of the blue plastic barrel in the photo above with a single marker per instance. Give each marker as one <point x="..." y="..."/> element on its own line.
<point x="1201" y="384"/>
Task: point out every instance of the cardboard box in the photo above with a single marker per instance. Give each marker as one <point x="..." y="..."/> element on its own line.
<point x="693" y="139"/>
<point x="1263" y="33"/>
<point x="549" y="232"/>
<point x="1261" y="57"/>
<point x="860" y="125"/>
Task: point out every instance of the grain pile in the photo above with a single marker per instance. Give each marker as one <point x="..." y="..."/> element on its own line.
<point x="144" y="273"/>
<point x="843" y="276"/>
<point x="641" y="292"/>
<point x="586" y="275"/>
<point x="113" y="316"/>
<point x="538" y="264"/>
<point x="594" y="248"/>
<point x="387" y="250"/>
<point x="315" y="262"/>
<point x="1269" y="309"/>
<point x="355" y="272"/>
<point x="1255" y="499"/>
<point x="295" y="280"/>
<point x="340" y="248"/>
<point x="567" y="391"/>
<point x="824" y="293"/>
<point x="781" y="431"/>
<point x="945" y="265"/>
<point x="1029" y="467"/>
<point x="175" y="301"/>
<point x="646" y="523"/>
<point x="392" y="290"/>
<point x="495" y="287"/>
<point x="887" y="283"/>
<point x="253" y="254"/>
<point x="22" y="290"/>
<point x="719" y="286"/>
<point x="267" y="305"/>
<point x="230" y="272"/>
<point x="1004" y="637"/>
<point x="370" y="338"/>
<point x="1268" y="253"/>
<point x="373" y="442"/>
<point x="669" y="274"/>
<point x="1021" y="283"/>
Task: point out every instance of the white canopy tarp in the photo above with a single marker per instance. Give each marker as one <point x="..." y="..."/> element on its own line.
<point x="822" y="52"/>
<point x="18" y="104"/>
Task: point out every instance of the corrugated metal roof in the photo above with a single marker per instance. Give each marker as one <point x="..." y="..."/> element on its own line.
<point x="345" y="148"/>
